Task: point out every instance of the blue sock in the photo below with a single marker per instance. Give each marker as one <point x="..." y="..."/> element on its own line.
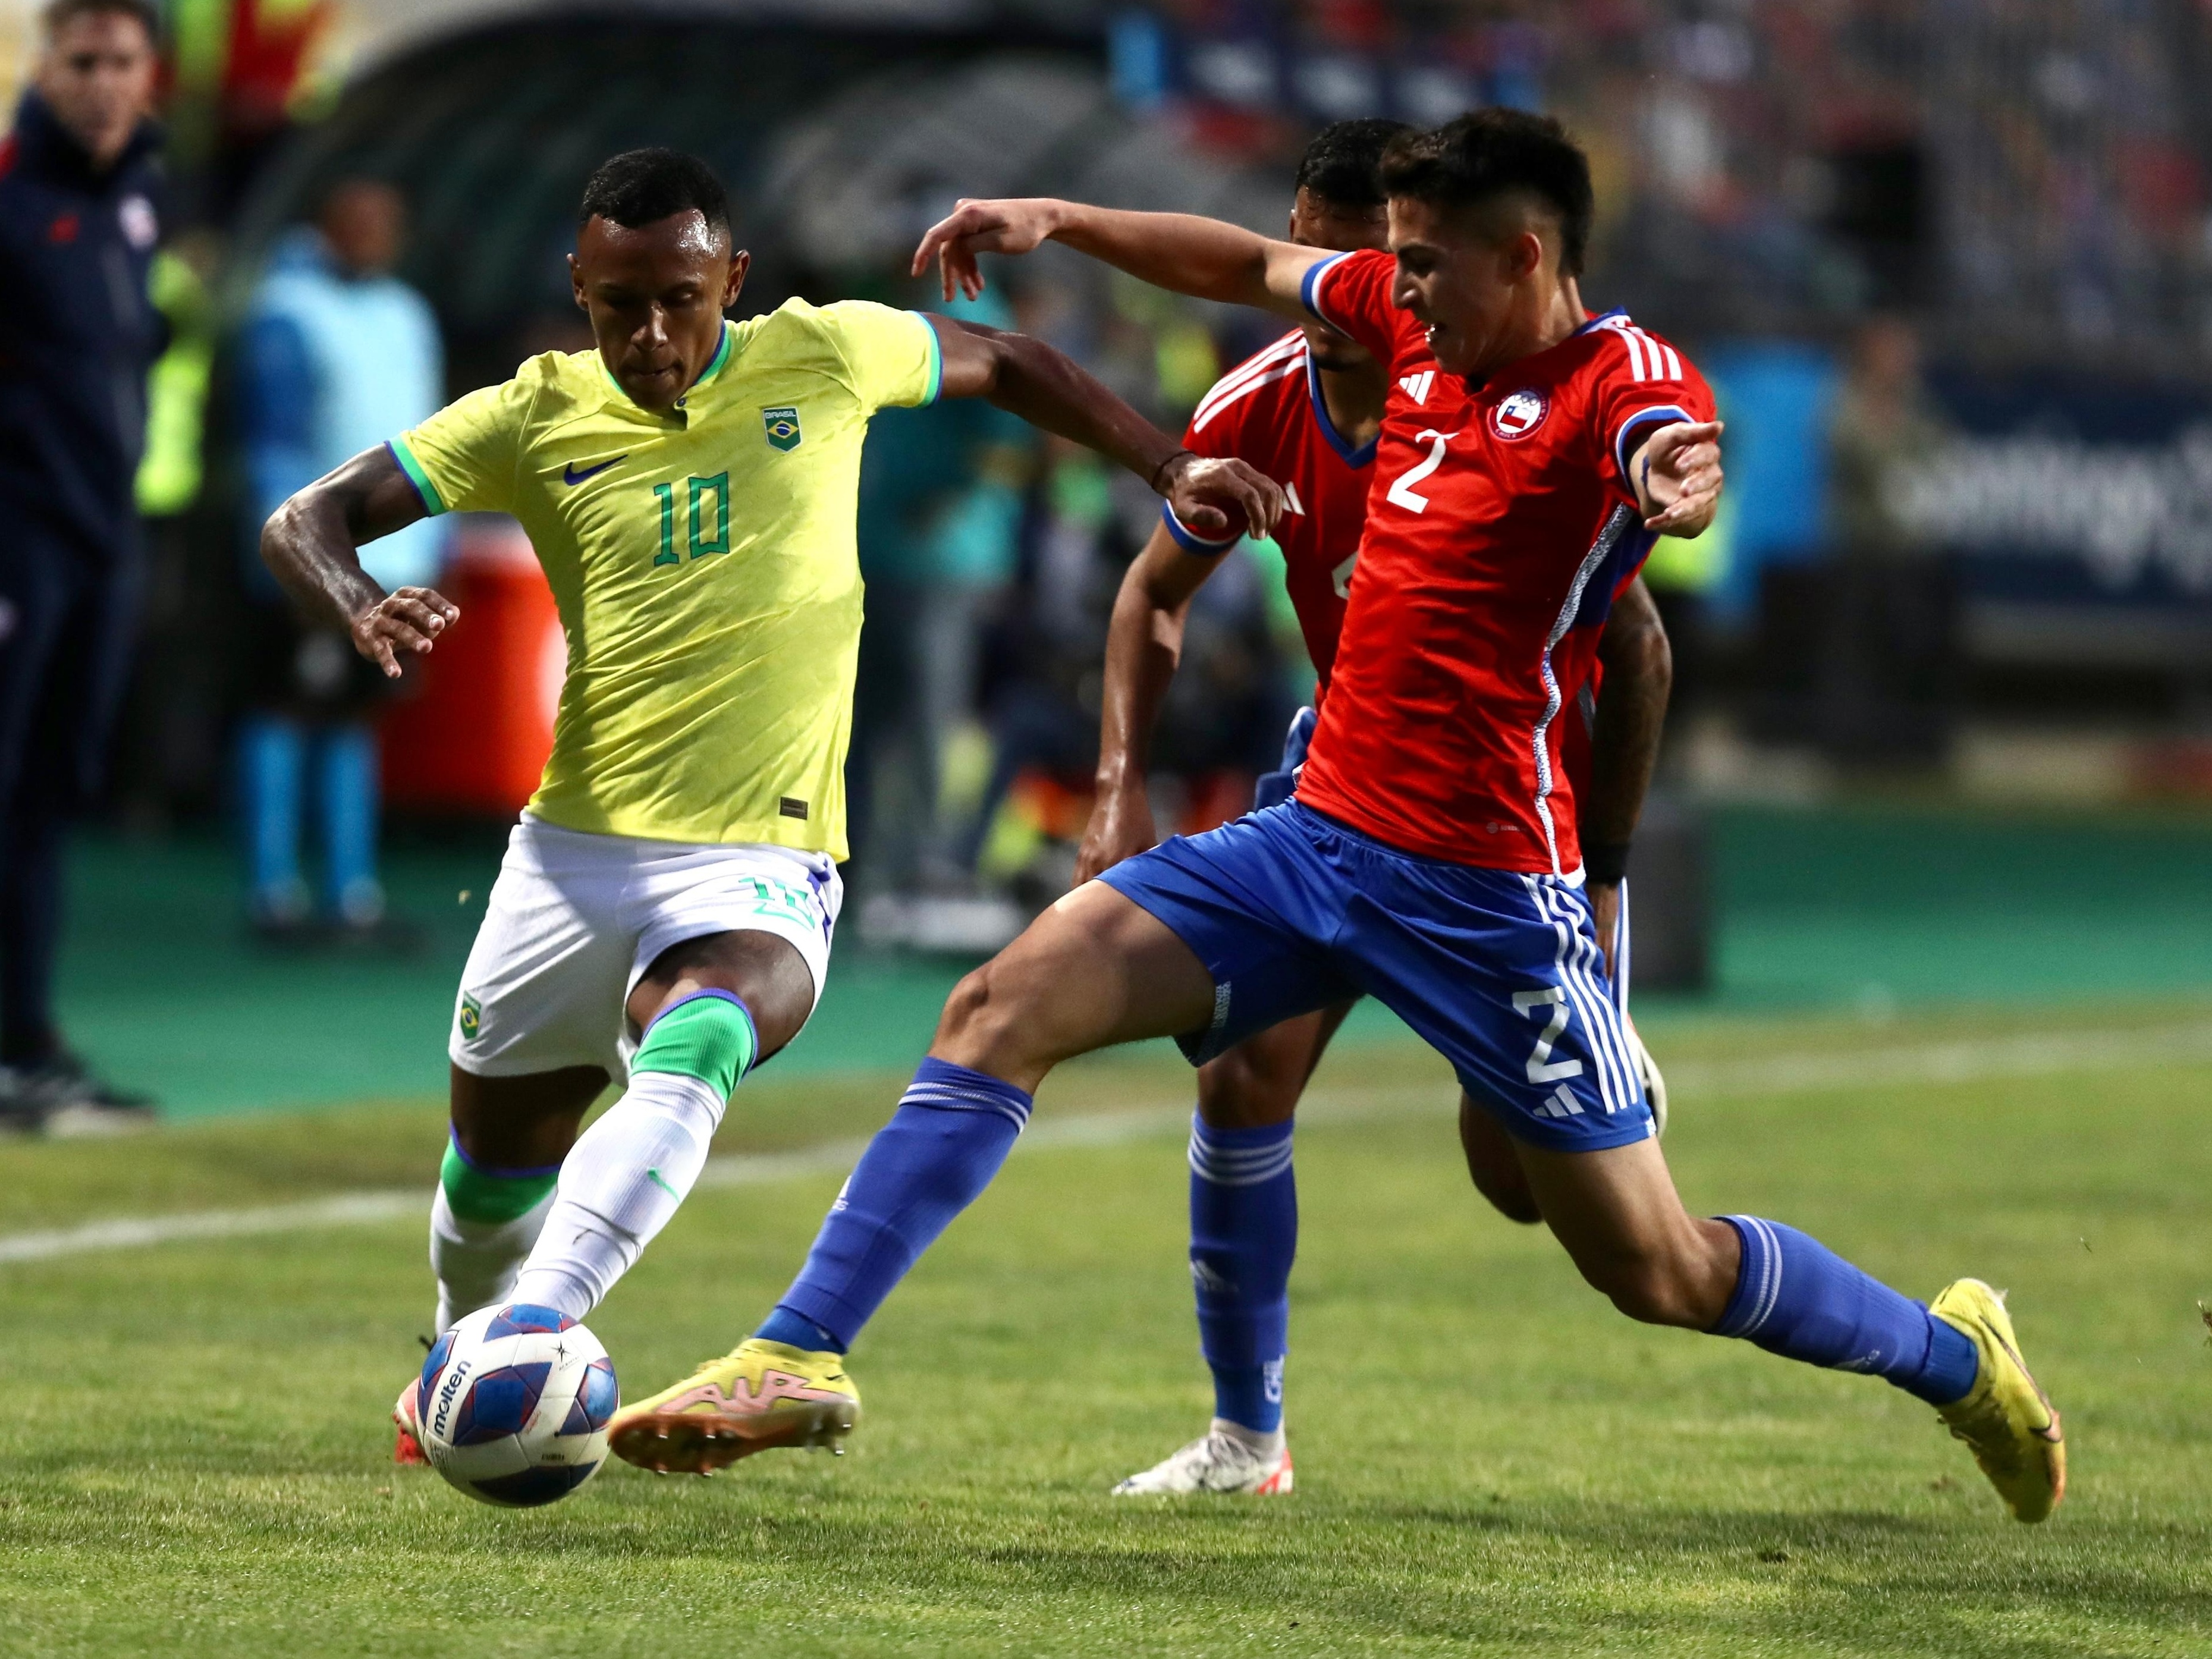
<point x="951" y="1132"/>
<point x="272" y="761"/>
<point x="796" y="1330"/>
<point x="1244" y="1233"/>
<point x="1797" y="1298"/>
<point x="349" y="802"/>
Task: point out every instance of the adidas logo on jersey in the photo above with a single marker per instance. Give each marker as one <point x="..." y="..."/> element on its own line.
<point x="1416" y="386"/>
<point x="1291" y="501"/>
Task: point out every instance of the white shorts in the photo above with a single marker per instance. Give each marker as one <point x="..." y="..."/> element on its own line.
<point x="574" y="920"/>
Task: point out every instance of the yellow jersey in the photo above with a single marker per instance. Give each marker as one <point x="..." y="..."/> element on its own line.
<point x="704" y="564"/>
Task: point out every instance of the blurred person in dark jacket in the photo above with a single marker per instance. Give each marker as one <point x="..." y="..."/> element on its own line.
<point x="78" y="178"/>
<point x="1888" y="673"/>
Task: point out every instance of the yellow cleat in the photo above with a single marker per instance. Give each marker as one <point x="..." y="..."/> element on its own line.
<point x="759" y="1396"/>
<point x="2007" y="1422"/>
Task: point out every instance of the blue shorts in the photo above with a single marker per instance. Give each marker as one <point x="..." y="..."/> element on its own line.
<point x="1499" y="972"/>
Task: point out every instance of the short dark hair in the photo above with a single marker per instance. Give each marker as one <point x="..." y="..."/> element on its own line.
<point x="1343" y="165"/>
<point x="60" y="14"/>
<point x="644" y="187"/>
<point x="1495" y="152"/>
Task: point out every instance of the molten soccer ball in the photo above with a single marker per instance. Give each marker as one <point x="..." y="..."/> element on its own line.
<point x="513" y="1405"/>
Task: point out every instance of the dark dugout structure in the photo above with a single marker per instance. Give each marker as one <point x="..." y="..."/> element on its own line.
<point x="839" y="143"/>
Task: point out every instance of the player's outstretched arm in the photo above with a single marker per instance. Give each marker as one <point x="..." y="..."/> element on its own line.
<point x="1050" y="390"/>
<point x="312" y="546"/>
<point x="1676" y="472"/>
<point x="1143" y="645"/>
<point x="1205" y="258"/>
<point x="1632" y="714"/>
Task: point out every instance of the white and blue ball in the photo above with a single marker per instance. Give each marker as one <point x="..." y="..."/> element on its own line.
<point x="513" y="1405"/>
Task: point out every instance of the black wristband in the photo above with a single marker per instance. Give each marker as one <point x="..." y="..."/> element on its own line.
<point x="1164" y="465"/>
<point x="1605" y="863"/>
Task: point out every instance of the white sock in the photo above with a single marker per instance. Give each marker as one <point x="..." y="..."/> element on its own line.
<point x="1262" y="1445"/>
<point x="476" y="1261"/>
<point x="619" y="1186"/>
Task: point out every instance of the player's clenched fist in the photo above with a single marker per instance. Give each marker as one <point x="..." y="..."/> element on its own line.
<point x="408" y="619"/>
<point x="1681" y="469"/>
<point x="1017" y="226"/>
<point x="1214" y="497"/>
<point x="1121" y="827"/>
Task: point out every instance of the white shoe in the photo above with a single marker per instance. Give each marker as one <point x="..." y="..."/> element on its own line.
<point x="1654" y="1082"/>
<point x="1230" y="1458"/>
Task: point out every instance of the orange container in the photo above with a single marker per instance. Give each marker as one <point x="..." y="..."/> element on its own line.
<point x="473" y="734"/>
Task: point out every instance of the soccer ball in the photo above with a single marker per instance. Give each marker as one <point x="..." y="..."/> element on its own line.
<point x="513" y="1404"/>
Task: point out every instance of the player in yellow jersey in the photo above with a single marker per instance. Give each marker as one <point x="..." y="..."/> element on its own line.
<point x="664" y="913"/>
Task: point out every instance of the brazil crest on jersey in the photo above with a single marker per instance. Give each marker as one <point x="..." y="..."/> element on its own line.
<point x="1267" y="411"/>
<point x="1500" y="525"/>
<point x="704" y="564"/>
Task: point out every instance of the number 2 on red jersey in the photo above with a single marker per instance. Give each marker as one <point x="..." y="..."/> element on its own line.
<point x="1402" y="492"/>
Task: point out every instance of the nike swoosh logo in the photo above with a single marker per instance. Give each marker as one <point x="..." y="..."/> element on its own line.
<point x="570" y="475"/>
<point x="661" y="1182"/>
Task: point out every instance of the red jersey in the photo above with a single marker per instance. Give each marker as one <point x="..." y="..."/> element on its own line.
<point x="1268" y="412"/>
<point x="1502" y="524"/>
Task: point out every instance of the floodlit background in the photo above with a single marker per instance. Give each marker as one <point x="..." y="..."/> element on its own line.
<point x="1943" y="721"/>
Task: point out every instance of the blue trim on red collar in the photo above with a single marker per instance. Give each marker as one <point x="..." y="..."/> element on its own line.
<point x="1353" y="458"/>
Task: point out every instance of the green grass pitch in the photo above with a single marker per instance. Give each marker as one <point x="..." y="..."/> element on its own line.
<point x="194" y="1458"/>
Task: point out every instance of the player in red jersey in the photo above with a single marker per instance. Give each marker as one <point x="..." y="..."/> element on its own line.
<point x="1529" y="451"/>
<point x="1307" y="411"/>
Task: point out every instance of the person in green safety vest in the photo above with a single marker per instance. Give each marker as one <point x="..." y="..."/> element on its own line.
<point x="1682" y="574"/>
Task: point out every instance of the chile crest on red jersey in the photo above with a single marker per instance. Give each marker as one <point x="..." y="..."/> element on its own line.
<point x="1500" y="526"/>
<point x="1268" y="412"/>
<point x="1517" y="414"/>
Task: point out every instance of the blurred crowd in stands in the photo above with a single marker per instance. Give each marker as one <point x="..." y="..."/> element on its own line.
<point x="1837" y="182"/>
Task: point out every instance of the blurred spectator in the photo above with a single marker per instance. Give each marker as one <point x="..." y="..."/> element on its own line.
<point x="1043" y="705"/>
<point x="941" y="506"/>
<point x="1887" y="667"/>
<point x="244" y="72"/>
<point x="1883" y="423"/>
<point x="173" y="720"/>
<point x="78" y="332"/>
<point x="339" y="355"/>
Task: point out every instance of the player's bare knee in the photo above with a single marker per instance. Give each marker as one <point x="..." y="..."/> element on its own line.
<point x="989" y="1021"/>
<point x="1237" y="1092"/>
<point x="1650" y="1286"/>
<point x="968" y="1008"/>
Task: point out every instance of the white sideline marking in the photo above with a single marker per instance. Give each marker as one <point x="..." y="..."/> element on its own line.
<point x="1970" y="1061"/>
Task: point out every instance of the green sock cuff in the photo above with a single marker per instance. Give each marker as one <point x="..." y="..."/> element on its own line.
<point x="475" y="1194"/>
<point x="708" y="1036"/>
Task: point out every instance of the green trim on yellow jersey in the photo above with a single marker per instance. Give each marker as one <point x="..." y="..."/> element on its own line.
<point x="936" y="359"/>
<point x="722" y="354"/>
<point x="433" y="503"/>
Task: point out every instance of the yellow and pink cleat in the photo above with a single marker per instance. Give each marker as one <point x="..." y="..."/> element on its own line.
<point x="758" y="1396"/>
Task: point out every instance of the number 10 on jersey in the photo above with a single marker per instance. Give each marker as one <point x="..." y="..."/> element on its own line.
<point x="699" y="492"/>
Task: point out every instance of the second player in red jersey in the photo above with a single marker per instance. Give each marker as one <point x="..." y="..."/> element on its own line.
<point x="1270" y="411"/>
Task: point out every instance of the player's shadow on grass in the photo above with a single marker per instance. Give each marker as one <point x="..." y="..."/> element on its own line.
<point x="1959" y="1583"/>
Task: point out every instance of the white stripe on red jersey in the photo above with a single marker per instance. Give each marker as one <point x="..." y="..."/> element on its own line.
<point x="1286" y="358"/>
